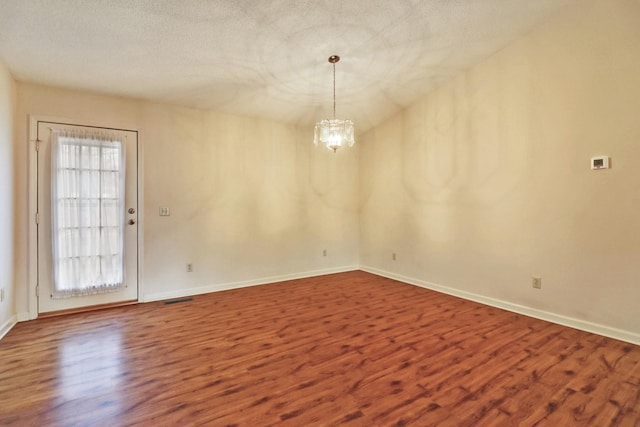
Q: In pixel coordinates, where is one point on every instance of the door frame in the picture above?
(33, 203)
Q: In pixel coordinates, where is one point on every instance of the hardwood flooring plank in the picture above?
(350, 349)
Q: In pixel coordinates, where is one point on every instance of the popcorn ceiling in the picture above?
(261, 58)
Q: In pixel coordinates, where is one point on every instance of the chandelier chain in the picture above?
(334, 90)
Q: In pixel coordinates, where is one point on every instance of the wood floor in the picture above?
(347, 349)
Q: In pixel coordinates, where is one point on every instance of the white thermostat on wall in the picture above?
(600, 162)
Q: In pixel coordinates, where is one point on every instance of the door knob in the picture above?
(132, 221)
(132, 210)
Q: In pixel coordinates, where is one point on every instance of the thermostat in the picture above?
(601, 162)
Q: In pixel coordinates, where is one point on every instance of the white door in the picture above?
(75, 270)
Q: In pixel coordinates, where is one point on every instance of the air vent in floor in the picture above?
(177, 301)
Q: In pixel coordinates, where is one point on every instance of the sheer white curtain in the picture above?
(87, 204)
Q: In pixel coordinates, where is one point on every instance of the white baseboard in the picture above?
(6, 327)
(179, 293)
(582, 325)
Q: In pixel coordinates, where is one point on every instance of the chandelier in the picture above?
(334, 133)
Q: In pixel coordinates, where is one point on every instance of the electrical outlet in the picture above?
(536, 282)
(189, 268)
(324, 252)
(393, 256)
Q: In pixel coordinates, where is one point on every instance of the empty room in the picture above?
(320, 212)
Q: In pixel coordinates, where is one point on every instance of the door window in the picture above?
(87, 212)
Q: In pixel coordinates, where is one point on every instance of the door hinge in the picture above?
(37, 145)
(38, 291)
(37, 217)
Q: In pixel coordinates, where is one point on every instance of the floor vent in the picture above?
(177, 301)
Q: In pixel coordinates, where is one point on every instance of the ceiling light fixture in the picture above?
(334, 133)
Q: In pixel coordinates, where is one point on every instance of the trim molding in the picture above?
(32, 245)
(559, 319)
(6, 327)
(179, 293)
(595, 328)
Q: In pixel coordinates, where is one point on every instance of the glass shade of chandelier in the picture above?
(334, 133)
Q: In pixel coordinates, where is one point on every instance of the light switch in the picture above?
(164, 212)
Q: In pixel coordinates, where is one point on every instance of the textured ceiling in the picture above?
(257, 57)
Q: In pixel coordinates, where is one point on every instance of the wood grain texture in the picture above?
(346, 349)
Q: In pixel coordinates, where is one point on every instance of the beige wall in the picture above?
(251, 200)
(486, 181)
(7, 192)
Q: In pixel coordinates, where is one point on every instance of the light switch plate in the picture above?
(164, 212)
